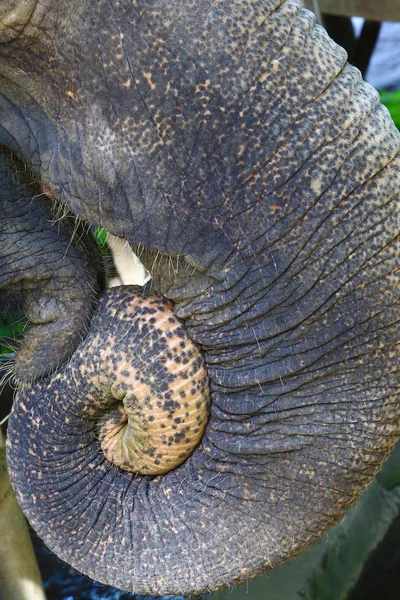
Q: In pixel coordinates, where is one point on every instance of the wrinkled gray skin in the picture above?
(231, 140)
(52, 269)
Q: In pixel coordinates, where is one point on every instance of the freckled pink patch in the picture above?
(45, 190)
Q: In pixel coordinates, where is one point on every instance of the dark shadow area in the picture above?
(62, 582)
(380, 575)
(359, 49)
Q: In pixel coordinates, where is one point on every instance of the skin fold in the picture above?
(44, 265)
(258, 176)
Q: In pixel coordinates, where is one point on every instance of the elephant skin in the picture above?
(54, 270)
(259, 176)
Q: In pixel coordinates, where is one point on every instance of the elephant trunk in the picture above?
(262, 176)
(53, 268)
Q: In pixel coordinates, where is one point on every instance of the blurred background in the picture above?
(360, 557)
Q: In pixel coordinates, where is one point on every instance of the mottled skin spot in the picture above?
(149, 366)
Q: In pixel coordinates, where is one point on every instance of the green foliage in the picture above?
(11, 328)
(392, 102)
(100, 235)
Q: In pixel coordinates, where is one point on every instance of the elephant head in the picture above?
(259, 175)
